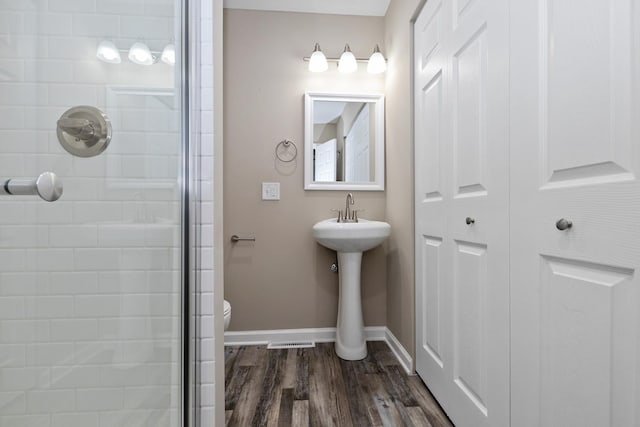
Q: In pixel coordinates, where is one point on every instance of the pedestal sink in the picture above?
(350, 239)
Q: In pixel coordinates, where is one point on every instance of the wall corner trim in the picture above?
(399, 351)
(372, 333)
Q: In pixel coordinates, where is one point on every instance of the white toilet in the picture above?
(227, 314)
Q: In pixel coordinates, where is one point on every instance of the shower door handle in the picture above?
(47, 185)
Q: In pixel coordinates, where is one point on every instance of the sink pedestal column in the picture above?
(350, 340)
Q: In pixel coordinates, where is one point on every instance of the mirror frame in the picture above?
(378, 100)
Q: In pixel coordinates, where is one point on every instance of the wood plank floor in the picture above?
(313, 387)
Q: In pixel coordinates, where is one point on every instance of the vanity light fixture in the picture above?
(140, 54)
(108, 52)
(169, 54)
(347, 62)
(317, 61)
(377, 64)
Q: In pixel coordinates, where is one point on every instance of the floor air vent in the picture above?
(301, 344)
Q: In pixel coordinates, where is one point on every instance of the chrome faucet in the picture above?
(348, 215)
(347, 209)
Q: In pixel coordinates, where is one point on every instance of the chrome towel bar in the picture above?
(236, 238)
(47, 185)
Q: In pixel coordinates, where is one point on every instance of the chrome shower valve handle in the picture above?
(84, 131)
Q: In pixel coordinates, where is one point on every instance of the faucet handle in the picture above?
(355, 214)
(339, 214)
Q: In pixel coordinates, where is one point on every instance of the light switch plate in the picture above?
(270, 191)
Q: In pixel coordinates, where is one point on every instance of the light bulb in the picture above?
(377, 64)
(140, 54)
(169, 54)
(347, 62)
(318, 62)
(108, 52)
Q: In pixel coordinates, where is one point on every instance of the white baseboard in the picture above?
(280, 335)
(372, 333)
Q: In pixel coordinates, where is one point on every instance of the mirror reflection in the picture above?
(343, 138)
(344, 142)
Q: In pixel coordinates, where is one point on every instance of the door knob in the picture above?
(470, 221)
(563, 224)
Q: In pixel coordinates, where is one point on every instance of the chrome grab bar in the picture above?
(236, 238)
(47, 185)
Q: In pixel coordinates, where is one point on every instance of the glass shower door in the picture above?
(90, 284)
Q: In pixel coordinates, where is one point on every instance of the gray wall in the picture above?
(283, 279)
(399, 157)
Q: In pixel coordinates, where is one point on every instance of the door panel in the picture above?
(572, 153)
(574, 293)
(470, 322)
(460, 7)
(431, 151)
(578, 302)
(325, 161)
(587, 119)
(469, 86)
(461, 152)
(432, 298)
(428, 31)
(356, 148)
(429, 154)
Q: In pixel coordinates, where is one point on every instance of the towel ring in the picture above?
(286, 151)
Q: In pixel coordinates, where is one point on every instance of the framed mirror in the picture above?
(344, 142)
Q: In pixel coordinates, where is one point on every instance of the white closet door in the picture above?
(325, 161)
(356, 149)
(461, 155)
(575, 294)
(432, 197)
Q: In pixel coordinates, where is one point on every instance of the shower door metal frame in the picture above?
(188, 327)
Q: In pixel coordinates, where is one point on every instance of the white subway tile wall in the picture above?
(90, 285)
(205, 215)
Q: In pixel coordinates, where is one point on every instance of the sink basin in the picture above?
(351, 236)
(350, 239)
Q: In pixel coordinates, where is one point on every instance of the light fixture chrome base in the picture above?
(84, 131)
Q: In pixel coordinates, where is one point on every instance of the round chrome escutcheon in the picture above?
(84, 131)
